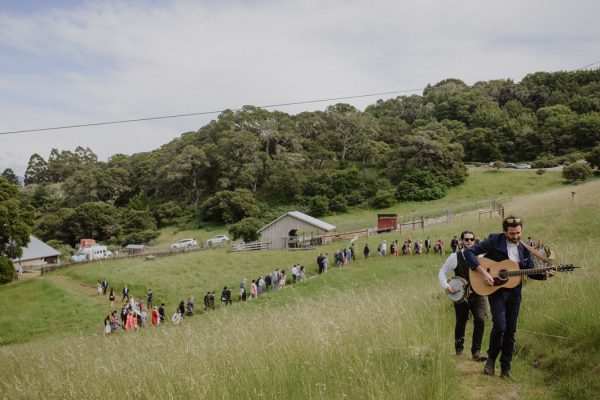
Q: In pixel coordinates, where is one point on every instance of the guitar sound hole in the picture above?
(503, 274)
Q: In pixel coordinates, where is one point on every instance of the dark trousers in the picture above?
(475, 304)
(504, 305)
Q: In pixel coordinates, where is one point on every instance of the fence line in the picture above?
(241, 246)
(149, 253)
(331, 237)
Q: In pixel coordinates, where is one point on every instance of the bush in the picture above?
(246, 229)
(540, 172)
(229, 206)
(545, 162)
(593, 158)
(383, 199)
(65, 250)
(317, 206)
(421, 185)
(577, 172)
(140, 237)
(7, 270)
(338, 203)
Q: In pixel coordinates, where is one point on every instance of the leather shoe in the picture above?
(489, 367)
(506, 374)
(459, 352)
(478, 357)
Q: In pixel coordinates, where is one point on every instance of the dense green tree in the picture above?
(593, 158)
(584, 131)
(94, 220)
(229, 206)
(57, 225)
(167, 213)
(317, 205)
(37, 170)
(16, 220)
(41, 197)
(10, 176)
(7, 271)
(246, 229)
(425, 162)
(442, 90)
(383, 198)
(349, 129)
(577, 172)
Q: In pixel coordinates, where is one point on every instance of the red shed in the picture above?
(387, 222)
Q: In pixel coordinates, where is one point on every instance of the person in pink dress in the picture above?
(253, 290)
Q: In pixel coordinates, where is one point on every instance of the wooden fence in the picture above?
(330, 237)
(148, 253)
(241, 246)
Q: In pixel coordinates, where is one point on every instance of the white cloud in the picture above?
(120, 60)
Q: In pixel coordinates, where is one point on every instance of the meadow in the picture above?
(377, 328)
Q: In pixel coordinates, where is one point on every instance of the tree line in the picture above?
(246, 167)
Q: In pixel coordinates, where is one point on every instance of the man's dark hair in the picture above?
(511, 222)
(462, 235)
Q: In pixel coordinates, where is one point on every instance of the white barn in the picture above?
(293, 230)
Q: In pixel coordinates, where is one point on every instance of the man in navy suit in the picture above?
(504, 303)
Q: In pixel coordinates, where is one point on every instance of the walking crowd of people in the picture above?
(134, 315)
(137, 314)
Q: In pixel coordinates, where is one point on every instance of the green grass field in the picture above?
(378, 328)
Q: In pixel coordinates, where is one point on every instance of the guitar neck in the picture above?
(531, 271)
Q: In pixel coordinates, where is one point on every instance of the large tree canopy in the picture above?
(250, 162)
(15, 221)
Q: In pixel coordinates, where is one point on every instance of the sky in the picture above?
(71, 62)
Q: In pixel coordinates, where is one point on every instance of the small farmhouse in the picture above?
(37, 253)
(294, 230)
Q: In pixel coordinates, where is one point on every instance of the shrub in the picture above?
(593, 158)
(229, 206)
(545, 162)
(7, 271)
(383, 199)
(577, 172)
(540, 172)
(246, 229)
(317, 206)
(140, 237)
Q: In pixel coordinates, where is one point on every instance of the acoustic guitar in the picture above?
(506, 274)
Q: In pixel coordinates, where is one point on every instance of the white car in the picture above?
(184, 243)
(217, 240)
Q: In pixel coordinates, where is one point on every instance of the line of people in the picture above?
(134, 315)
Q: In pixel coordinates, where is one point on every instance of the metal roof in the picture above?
(135, 246)
(36, 249)
(305, 218)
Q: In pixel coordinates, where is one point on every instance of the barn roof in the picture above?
(304, 218)
(36, 249)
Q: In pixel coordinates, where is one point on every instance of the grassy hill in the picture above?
(378, 328)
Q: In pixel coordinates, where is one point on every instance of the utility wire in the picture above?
(208, 112)
(294, 103)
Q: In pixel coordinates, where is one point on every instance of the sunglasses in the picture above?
(513, 220)
(469, 239)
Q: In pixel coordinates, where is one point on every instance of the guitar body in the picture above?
(499, 271)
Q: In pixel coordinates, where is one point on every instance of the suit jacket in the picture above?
(495, 248)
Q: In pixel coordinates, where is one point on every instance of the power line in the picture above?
(124, 121)
(294, 103)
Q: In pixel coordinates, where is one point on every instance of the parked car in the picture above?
(217, 240)
(184, 243)
(510, 165)
(523, 166)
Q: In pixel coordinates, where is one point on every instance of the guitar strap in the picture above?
(536, 253)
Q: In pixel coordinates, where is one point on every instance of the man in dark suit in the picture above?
(504, 303)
